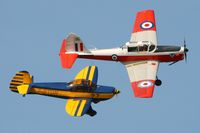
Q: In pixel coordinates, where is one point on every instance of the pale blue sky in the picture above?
(31, 33)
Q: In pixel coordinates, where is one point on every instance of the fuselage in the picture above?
(67, 90)
(128, 53)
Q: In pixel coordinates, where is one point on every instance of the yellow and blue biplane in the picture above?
(80, 92)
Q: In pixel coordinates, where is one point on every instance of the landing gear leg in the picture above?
(91, 112)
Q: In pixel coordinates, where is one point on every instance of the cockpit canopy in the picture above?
(82, 85)
(142, 46)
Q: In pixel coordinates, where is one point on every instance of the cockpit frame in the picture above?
(142, 47)
(82, 85)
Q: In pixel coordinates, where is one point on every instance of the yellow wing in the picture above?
(78, 107)
(88, 73)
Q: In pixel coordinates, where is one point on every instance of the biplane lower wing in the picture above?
(142, 76)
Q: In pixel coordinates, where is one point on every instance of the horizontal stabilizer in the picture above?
(23, 89)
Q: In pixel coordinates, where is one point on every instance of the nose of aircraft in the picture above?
(117, 91)
(185, 50)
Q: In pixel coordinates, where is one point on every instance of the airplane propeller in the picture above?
(185, 53)
(117, 92)
(185, 50)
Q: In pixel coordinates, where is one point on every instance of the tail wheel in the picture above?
(158, 82)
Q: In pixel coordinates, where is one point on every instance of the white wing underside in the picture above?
(142, 76)
(142, 70)
(144, 36)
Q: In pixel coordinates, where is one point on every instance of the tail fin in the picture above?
(20, 82)
(70, 49)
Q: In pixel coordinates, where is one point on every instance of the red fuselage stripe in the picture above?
(121, 58)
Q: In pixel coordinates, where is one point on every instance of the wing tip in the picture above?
(143, 88)
(88, 73)
(147, 10)
(145, 21)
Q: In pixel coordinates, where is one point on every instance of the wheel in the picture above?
(158, 82)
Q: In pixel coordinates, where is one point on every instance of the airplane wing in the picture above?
(78, 107)
(88, 73)
(142, 76)
(145, 27)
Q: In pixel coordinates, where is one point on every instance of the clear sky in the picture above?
(31, 33)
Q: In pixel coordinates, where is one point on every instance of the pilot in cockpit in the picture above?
(81, 85)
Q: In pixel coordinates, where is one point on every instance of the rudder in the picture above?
(21, 80)
(70, 49)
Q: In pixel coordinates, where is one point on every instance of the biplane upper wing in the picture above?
(88, 73)
(144, 27)
(142, 76)
(78, 107)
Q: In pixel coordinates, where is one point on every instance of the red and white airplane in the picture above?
(141, 55)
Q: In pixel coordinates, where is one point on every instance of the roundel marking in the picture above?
(145, 84)
(114, 57)
(172, 55)
(146, 25)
